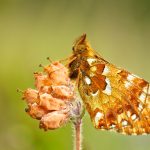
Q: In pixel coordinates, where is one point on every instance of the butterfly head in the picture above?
(81, 45)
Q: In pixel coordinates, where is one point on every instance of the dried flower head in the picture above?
(54, 101)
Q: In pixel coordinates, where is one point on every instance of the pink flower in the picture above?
(52, 101)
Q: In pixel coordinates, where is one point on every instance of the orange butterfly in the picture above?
(115, 99)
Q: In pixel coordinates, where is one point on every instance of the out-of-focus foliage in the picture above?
(31, 30)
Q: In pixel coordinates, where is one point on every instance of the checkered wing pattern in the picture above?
(115, 99)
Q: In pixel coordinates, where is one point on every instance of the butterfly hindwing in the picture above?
(115, 99)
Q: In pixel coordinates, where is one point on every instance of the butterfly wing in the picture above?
(115, 99)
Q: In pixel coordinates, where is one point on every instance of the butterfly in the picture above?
(115, 99)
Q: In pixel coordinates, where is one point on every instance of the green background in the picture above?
(31, 30)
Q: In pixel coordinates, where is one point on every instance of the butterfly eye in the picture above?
(81, 49)
(78, 50)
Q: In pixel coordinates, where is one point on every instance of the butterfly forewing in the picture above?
(115, 99)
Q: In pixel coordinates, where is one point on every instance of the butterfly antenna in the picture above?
(40, 65)
(49, 60)
(66, 59)
(20, 91)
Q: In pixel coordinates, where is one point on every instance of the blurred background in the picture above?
(31, 30)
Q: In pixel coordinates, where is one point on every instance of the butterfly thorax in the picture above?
(82, 51)
(77, 65)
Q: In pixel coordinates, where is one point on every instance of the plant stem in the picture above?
(78, 140)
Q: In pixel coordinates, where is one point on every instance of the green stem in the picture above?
(78, 140)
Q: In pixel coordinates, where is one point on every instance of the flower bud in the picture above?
(53, 120)
(36, 111)
(41, 80)
(30, 95)
(57, 73)
(63, 92)
(50, 103)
